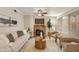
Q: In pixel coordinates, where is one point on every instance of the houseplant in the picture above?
(49, 25)
(28, 30)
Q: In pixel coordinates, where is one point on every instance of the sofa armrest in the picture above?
(11, 45)
(70, 47)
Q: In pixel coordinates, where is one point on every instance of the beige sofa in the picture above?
(69, 44)
(6, 46)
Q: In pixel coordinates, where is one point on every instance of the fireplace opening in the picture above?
(39, 32)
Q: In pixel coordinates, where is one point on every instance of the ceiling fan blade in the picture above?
(44, 13)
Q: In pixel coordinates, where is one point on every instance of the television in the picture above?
(39, 21)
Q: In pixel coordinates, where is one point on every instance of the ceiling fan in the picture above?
(41, 12)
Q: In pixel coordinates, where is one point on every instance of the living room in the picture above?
(39, 29)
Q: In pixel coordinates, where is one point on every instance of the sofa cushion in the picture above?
(14, 35)
(10, 37)
(73, 43)
(20, 33)
(3, 40)
(18, 44)
(5, 49)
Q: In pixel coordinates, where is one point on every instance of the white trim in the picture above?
(19, 11)
(69, 11)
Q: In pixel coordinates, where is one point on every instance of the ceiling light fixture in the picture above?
(39, 12)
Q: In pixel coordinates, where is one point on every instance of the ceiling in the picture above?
(52, 11)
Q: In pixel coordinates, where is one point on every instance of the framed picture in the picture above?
(7, 21)
(39, 21)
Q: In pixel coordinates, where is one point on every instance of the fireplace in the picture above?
(39, 30)
(39, 27)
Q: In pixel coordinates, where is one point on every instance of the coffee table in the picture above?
(40, 43)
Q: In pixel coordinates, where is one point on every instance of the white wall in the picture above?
(65, 25)
(29, 22)
(53, 22)
(59, 25)
(9, 12)
(26, 21)
(77, 25)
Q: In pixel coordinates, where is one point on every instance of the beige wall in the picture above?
(9, 12)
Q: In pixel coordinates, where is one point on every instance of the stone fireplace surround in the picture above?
(39, 28)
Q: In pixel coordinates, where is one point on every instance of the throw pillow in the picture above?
(73, 42)
(25, 32)
(20, 33)
(10, 37)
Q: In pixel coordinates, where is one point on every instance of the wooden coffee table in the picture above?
(40, 43)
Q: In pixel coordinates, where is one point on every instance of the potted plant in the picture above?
(28, 30)
(49, 25)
